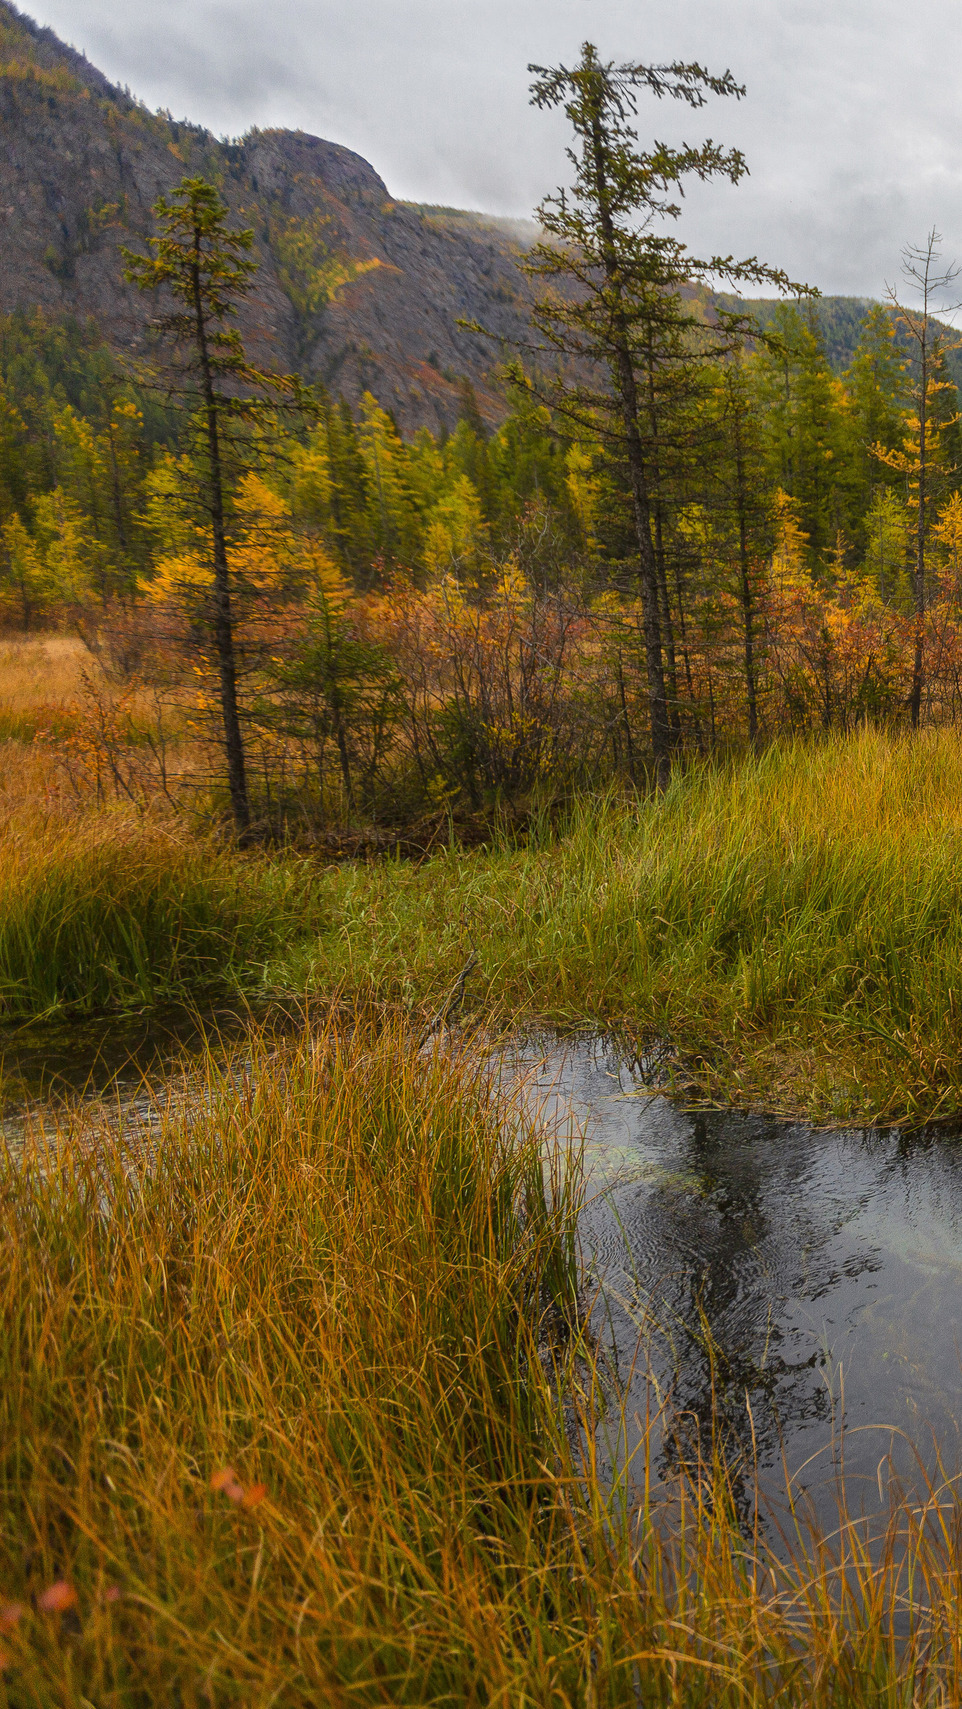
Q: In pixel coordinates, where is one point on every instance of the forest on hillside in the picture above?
(692, 527)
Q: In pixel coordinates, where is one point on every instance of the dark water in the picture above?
(803, 1288)
(110, 1073)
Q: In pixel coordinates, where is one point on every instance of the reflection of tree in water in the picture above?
(734, 1241)
(720, 1257)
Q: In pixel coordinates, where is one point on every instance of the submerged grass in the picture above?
(791, 922)
(274, 1429)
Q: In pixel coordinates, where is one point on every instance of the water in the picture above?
(786, 1282)
(783, 1282)
(95, 1077)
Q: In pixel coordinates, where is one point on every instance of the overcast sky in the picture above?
(852, 123)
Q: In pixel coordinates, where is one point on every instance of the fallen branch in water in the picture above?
(452, 1002)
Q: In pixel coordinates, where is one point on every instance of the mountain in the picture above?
(839, 321)
(354, 288)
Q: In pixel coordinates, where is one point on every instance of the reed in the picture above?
(323, 1292)
(791, 922)
(280, 1424)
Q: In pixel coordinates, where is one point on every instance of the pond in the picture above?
(802, 1288)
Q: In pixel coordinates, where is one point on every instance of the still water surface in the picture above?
(801, 1279)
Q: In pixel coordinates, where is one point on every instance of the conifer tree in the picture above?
(615, 279)
(920, 270)
(745, 512)
(207, 270)
(806, 427)
(876, 383)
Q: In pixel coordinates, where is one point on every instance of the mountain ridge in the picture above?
(355, 288)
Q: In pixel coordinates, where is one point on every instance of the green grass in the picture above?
(102, 913)
(791, 923)
(275, 1430)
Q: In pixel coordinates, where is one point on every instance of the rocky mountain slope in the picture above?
(354, 288)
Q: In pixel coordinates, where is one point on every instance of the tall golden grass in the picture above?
(287, 1416)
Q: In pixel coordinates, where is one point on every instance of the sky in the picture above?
(850, 124)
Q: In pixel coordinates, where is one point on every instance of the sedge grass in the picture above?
(274, 1429)
(791, 922)
(100, 913)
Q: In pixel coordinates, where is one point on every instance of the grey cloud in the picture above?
(850, 125)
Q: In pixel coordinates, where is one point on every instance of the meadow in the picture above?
(787, 922)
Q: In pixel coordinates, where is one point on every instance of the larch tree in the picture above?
(743, 507)
(205, 270)
(929, 282)
(617, 293)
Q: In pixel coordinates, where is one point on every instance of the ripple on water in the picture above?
(786, 1277)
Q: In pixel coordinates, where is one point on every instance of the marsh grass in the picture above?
(330, 1284)
(101, 913)
(790, 922)
(286, 1418)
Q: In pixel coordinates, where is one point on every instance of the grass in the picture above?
(331, 1284)
(275, 1428)
(791, 923)
(104, 910)
(106, 913)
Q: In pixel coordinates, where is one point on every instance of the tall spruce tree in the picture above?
(207, 270)
(618, 291)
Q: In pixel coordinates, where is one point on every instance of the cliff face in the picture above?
(353, 288)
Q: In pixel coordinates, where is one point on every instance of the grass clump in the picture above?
(791, 922)
(101, 913)
(326, 1289)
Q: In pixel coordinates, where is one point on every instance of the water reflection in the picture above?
(784, 1280)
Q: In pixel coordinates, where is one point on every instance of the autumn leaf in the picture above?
(226, 1482)
(57, 1598)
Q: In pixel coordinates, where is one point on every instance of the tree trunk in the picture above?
(918, 579)
(223, 624)
(667, 630)
(626, 387)
(747, 597)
